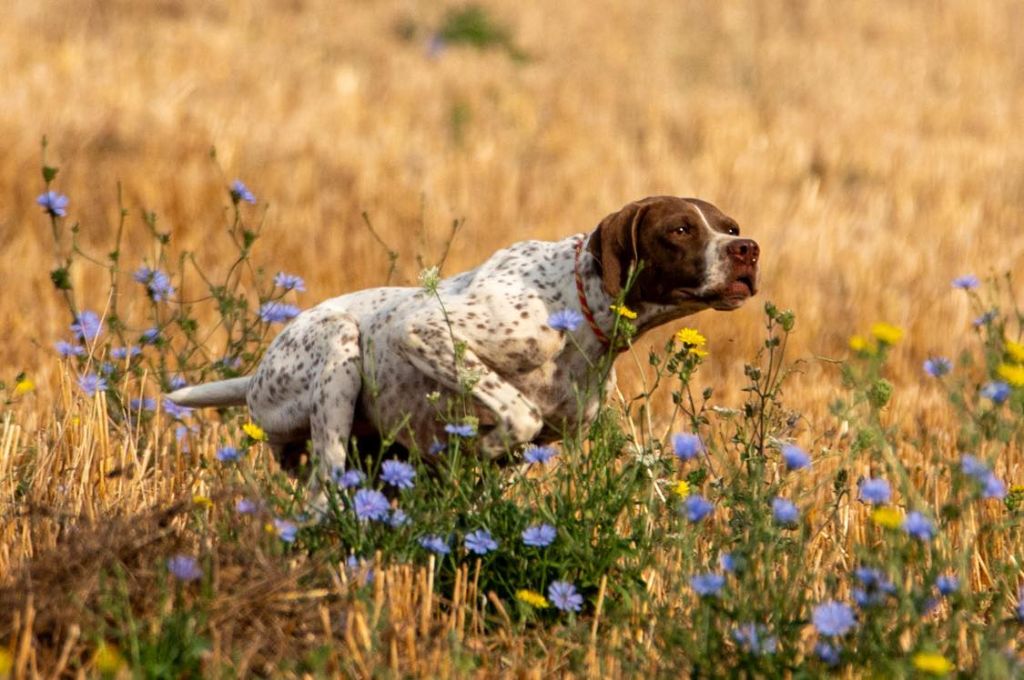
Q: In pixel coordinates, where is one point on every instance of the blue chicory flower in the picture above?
(90, 383)
(398, 474)
(538, 454)
(539, 535)
(175, 411)
(785, 512)
(829, 653)
(463, 430)
(66, 349)
(289, 282)
(697, 507)
(480, 542)
(833, 618)
(876, 587)
(435, 544)
(229, 363)
(142, 404)
(277, 312)
(565, 320)
(875, 491)
(707, 585)
(240, 192)
(752, 639)
(971, 466)
(398, 518)
(157, 282)
(918, 526)
(564, 596)
(371, 504)
(349, 479)
(985, 319)
(937, 367)
(686, 445)
(244, 506)
(993, 487)
(184, 568)
(122, 353)
(996, 391)
(87, 326)
(227, 454)
(286, 530)
(53, 203)
(966, 282)
(795, 457)
(947, 584)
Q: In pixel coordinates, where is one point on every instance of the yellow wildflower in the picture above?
(889, 518)
(1017, 488)
(886, 333)
(697, 352)
(1015, 350)
(690, 337)
(931, 663)
(254, 431)
(681, 488)
(107, 659)
(6, 663)
(532, 598)
(623, 311)
(24, 386)
(1011, 374)
(270, 528)
(859, 344)
(202, 501)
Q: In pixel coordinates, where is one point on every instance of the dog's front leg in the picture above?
(430, 346)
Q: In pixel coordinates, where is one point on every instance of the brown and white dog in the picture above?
(365, 362)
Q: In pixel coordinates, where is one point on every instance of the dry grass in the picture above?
(871, 148)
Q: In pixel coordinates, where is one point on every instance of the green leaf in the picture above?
(248, 238)
(61, 278)
(49, 173)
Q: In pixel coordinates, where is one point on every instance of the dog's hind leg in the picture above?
(335, 393)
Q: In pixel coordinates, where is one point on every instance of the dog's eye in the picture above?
(681, 229)
(734, 231)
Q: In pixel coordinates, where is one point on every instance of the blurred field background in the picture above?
(873, 149)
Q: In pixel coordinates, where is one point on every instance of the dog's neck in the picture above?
(593, 298)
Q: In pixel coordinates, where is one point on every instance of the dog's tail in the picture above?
(221, 393)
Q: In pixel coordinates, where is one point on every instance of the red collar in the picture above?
(584, 307)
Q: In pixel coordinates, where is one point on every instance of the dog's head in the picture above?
(692, 254)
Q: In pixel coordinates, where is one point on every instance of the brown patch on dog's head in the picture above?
(690, 250)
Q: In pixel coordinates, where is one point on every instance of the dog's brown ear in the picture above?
(613, 244)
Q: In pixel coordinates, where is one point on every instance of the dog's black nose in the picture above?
(744, 251)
